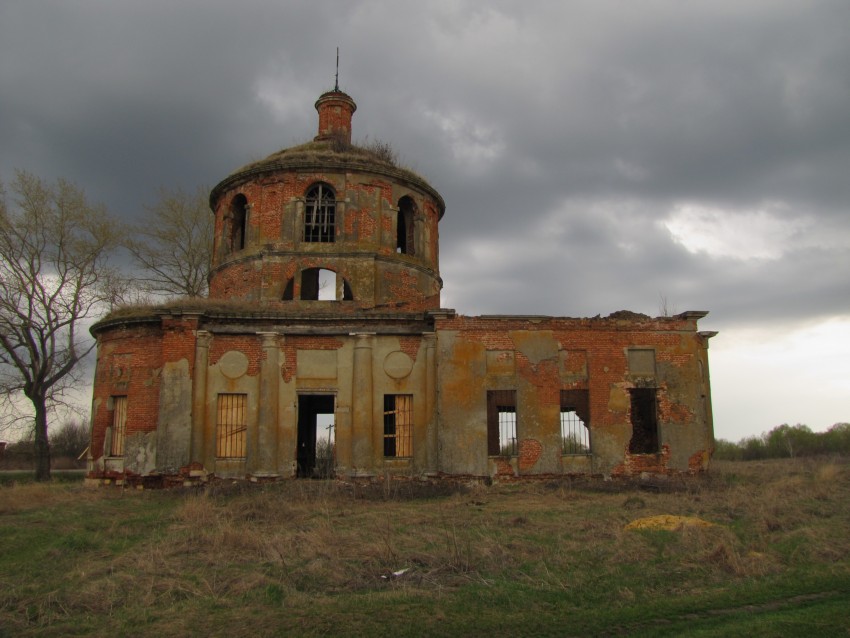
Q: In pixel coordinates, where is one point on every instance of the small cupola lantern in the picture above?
(335, 110)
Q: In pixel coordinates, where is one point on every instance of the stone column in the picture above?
(199, 400)
(265, 457)
(431, 461)
(419, 244)
(361, 406)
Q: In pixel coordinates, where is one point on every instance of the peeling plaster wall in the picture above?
(535, 357)
(140, 453)
(175, 418)
(539, 357)
(129, 363)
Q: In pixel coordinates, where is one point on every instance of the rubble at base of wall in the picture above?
(390, 485)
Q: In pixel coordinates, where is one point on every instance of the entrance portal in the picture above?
(315, 435)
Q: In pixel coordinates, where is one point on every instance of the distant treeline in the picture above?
(66, 446)
(786, 441)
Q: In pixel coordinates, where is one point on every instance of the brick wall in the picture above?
(129, 362)
(603, 342)
(366, 228)
(249, 345)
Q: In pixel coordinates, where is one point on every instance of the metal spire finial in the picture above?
(336, 80)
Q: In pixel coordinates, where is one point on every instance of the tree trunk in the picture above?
(42, 445)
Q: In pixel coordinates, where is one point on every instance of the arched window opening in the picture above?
(320, 214)
(289, 291)
(238, 221)
(347, 295)
(318, 284)
(327, 285)
(405, 243)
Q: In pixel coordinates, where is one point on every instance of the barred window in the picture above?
(320, 214)
(501, 423)
(398, 425)
(119, 425)
(575, 422)
(231, 426)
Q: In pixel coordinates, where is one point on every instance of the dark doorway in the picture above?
(315, 452)
(644, 423)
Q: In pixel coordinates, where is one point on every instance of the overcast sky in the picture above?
(594, 156)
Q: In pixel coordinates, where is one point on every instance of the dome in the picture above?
(328, 211)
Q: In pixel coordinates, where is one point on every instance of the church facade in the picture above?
(323, 350)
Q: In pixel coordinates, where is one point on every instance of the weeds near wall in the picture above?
(314, 556)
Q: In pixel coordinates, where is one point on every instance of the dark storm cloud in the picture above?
(563, 136)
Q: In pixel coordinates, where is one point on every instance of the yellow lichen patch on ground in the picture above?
(667, 522)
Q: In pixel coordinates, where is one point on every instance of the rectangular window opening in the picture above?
(501, 423)
(398, 425)
(119, 425)
(575, 422)
(231, 426)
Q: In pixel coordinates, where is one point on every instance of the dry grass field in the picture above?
(319, 558)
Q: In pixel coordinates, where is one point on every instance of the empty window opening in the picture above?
(644, 421)
(327, 285)
(501, 423)
(231, 426)
(347, 295)
(316, 436)
(320, 214)
(318, 284)
(575, 422)
(398, 425)
(405, 243)
(119, 425)
(238, 221)
(289, 290)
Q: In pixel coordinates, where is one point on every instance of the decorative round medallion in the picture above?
(398, 365)
(233, 364)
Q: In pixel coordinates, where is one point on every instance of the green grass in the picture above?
(20, 477)
(315, 558)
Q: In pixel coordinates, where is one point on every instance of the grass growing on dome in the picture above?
(182, 305)
(367, 154)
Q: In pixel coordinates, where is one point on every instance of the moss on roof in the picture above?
(182, 305)
(327, 151)
(374, 157)
(245, 309)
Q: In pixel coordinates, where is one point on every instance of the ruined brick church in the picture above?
(324, 324)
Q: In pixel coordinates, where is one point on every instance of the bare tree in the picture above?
(173, 244)
(54, 279)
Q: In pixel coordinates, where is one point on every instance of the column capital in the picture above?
(364, 339)
(269, 338)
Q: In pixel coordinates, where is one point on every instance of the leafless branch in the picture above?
(173, 244)
(54, 276)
